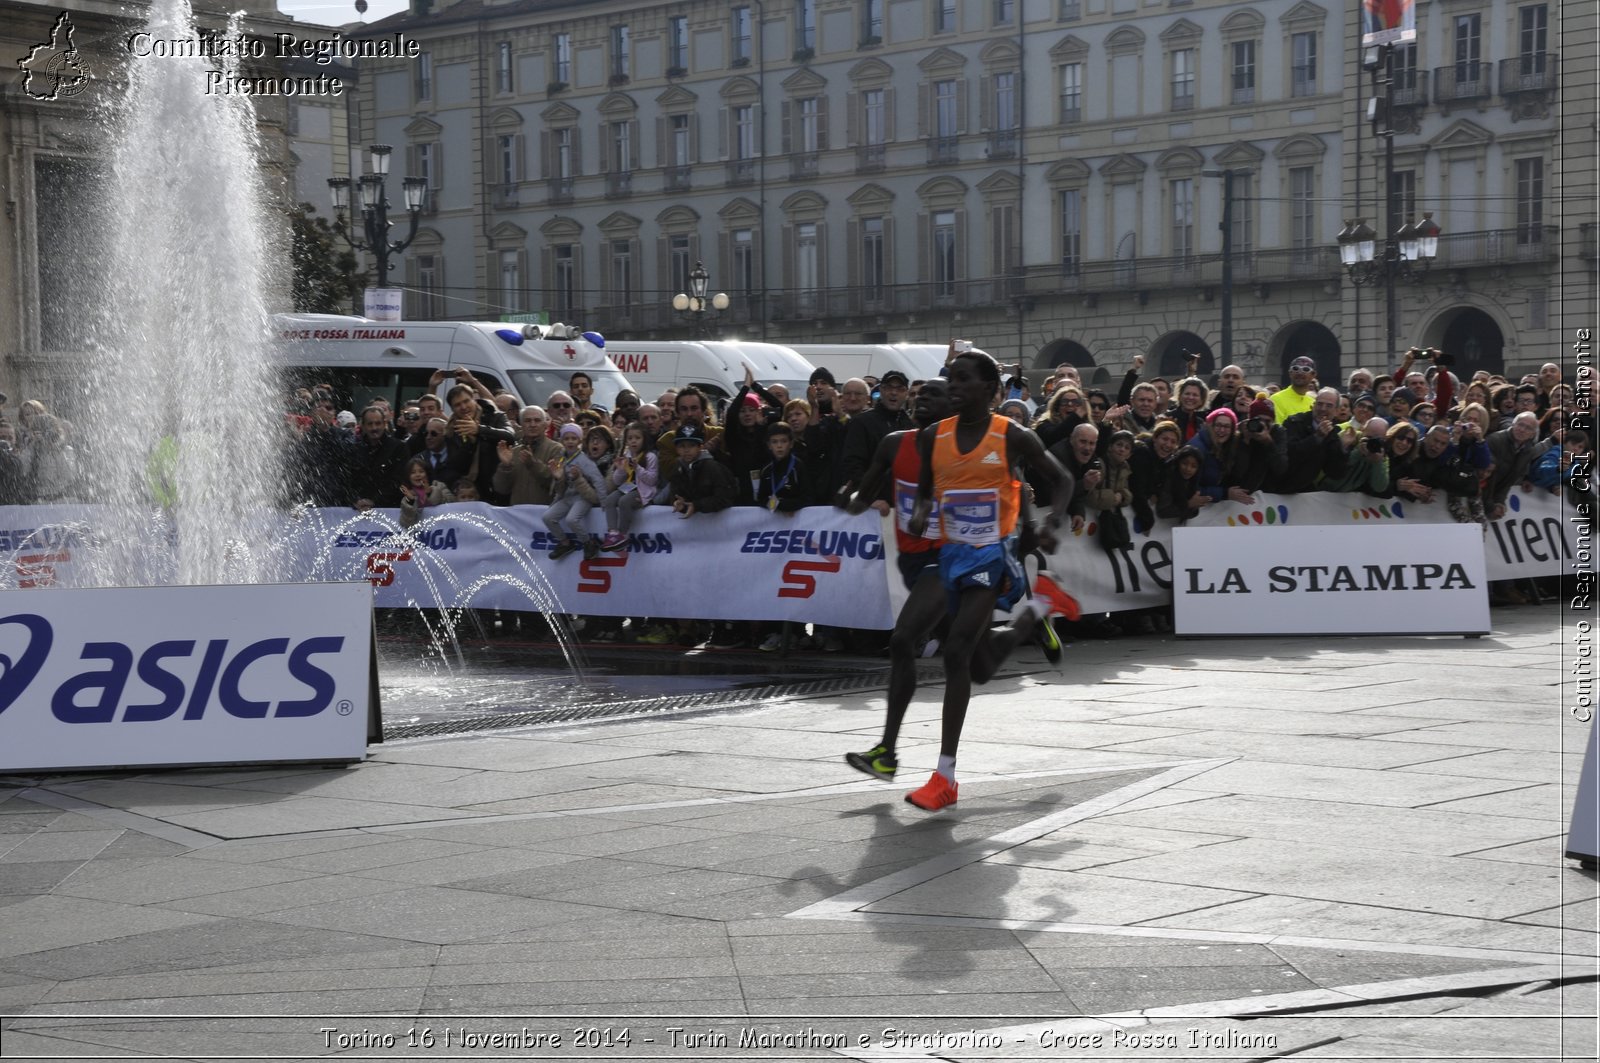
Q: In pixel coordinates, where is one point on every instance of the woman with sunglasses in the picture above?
(1066, 410)
(1402, 443)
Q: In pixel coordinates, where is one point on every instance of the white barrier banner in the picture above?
(184, 675)
(820, 565)
(1392, 579)
(1536, 537)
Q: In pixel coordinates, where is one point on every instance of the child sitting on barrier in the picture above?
(418, 494)
(634, 475)
(577, 484)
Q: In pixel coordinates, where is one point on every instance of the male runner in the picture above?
(966, 465)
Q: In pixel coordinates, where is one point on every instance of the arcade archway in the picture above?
(1307, 338)
(1473, 339)
(1171, 352)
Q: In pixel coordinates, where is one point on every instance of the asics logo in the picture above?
(16, 675)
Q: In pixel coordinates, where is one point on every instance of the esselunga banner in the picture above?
(1538, 536)
(819, 565)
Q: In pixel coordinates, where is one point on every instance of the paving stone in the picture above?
(212, 983)
(1319, 783)
(321, 1002)
(573, 877)
(631, 991)
(954, 975)
(246, 903)
(39, 876)
(433, 914)
(148, 797)
(1514, 764)
(1397, 750)
(1548, 803)
(54, 922)
(510, 753)
(153, 881)
(1067, 951)
(296, 815)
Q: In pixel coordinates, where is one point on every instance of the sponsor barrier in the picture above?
(1583, 830)
(1392, 579)
(184, 675)
(820, 565)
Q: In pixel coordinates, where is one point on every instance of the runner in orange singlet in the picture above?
(967, 464)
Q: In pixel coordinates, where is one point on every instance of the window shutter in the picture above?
(852, 253)
(724, 132)
(888, 115)
(822, 260)
(985, 104)
(546, 161)
(822, 123)
(961, 255)
(888, 249)
(577, 152)
(524, 279)
(998, 220)
(962, 106)
(852, 119)
(664, 278)
(547, 274)
(635, 159)
(788, 259)
(413, 298)
(606, 133)
(785, 110)
(491, 278)
(694, 137)
(924, 109)
(413, 159)
(663, 142)
(725, 258)
(924, 265)
(438, 166)
(520, 165)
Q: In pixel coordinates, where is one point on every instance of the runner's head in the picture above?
(974, 381)
(933, 402)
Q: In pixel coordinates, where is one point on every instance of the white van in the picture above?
(918, 361)
(716, 367)
(363, 359)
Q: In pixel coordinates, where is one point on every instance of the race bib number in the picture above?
(971, 517)
(905, 499)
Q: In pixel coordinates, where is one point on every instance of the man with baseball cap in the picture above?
(1301, 393)
(866, 430)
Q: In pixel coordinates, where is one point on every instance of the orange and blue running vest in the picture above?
(907, 468)
(977, 496)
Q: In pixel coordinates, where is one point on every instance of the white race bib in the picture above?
(971, 516)
(905, 500)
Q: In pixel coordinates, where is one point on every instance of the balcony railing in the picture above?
(1462, 81)
(1184, 102)
(1495, 247)
(1004, 144)
(430, 202)
(1410, 90)
(802, 165)
(869, 158)
(1534, 72)
(944, 149)
(504, 197)
(560, 190)
(619, 184)
(1244, 94)
(675, 179)
(741, 172)
(1071, 113)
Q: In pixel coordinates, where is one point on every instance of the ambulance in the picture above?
(362, 359)
(716, 367)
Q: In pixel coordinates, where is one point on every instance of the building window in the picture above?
(1244, 71)
(678, 43)
(1183, 219)
(1302, 208)
(619, 140)
(1071, 200)
(678, 261)
(1243, 229)
(944, 16)
(1532, 38)
(566, 279)
(620, 63)
(510, 281)
(871, 21)
(428, 287)
(874, 117)
(1005, 101)
(805, 25)
(1402, 200)
(1468, 48)
(622, 279)
(1071, 10)
(873, 276)
(679, 151)
(424, 69)
(1183, 79)
(503, 82)
(740, 31)
(1004, 12)
(810, 125)
(1072, 93)
(744, 132)
(1403, 68)
(561, 59)
(427, 168)
(506, 153)
(1303, 72)
(744, 261)
(1530, 201)
(562, 140)
(944, 255)
(944, 108)
(805, 267)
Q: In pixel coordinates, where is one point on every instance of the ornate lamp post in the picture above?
(695, 302)
(375, 223)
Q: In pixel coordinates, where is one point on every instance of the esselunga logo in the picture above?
(111, 682)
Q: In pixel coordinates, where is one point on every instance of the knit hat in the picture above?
(1405, 395)
(751, 399)
(1222, 411)
(1367, 397)
(1263, 408)
(571, 429)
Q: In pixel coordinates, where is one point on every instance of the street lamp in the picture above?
(1410, 247)
(374, 202)
(695, 302)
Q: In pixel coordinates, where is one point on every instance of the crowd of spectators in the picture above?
(1156, 448)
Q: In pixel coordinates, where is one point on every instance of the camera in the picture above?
(1256, 424)
(1374, 446)
(963, 346)
(1442, 359)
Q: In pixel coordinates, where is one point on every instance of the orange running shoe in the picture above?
(1052, 594)
(934, 794)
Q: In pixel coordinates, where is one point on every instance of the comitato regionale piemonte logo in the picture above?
(54, 70)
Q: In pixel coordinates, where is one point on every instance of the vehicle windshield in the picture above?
(535, 385)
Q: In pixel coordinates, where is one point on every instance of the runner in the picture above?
(965, 468)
